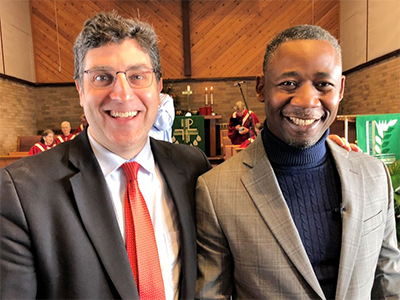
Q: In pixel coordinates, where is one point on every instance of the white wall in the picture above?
(17, 40)
(384, 27)
(368, 29)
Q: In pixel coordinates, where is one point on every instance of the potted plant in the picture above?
(394, 170)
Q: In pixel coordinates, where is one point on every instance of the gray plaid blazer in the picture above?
(249, 247)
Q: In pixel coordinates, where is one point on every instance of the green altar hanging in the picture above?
(189, 130)
(379, 136)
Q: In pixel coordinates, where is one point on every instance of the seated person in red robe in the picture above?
(46, 143)
(66, 133)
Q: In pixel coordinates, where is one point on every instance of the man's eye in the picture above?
(137, 77)
(288, 85)
(324, 85)
(103, 77)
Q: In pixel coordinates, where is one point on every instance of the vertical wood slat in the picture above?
(187, 63)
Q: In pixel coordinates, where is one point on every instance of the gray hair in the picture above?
(299, 32)
(105, 28)
(239, 106)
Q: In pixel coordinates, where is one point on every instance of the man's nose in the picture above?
(122, 90)
(306, 96)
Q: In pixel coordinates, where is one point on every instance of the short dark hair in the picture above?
(105, 28)
(299, 32)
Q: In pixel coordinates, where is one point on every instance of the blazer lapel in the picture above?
(181, 194)
(352, 191)
(98, 217)
(263, 188)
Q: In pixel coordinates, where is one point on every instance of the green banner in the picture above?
(189, 131)
(379, 136)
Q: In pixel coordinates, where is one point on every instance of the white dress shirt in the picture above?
(160, 205)
(162, 127)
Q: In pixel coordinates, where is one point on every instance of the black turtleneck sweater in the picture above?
(311, 187)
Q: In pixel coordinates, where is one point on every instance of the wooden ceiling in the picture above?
(228, 37)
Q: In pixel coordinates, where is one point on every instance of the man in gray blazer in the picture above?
(294, 216)
(62, 220)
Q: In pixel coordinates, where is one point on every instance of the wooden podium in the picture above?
(210, 128)
(345, 126)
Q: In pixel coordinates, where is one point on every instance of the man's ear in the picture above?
(160, 85)
(342, 83)
(80, 92)
(260, 84)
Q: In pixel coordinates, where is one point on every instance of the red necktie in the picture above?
(140, 240)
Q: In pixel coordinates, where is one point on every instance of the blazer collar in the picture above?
(352, 183)
(263, 187)
(175, 175)
(95, 208)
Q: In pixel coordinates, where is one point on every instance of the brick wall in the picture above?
(18, 113)
(57, 104)
(373, 90)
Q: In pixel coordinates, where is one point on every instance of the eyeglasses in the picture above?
(105, 78)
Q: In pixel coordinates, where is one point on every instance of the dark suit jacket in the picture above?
(59, 234)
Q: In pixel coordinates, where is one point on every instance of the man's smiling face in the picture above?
(302, 88)
(119, 117)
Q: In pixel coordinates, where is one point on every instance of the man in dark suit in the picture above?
(62, 212)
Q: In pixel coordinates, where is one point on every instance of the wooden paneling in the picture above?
(228, 37)
(51, 67)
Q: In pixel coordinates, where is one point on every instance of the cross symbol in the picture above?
(188, 92)
(186, 132)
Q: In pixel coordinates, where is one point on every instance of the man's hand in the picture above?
(244, 130)
(342, 142)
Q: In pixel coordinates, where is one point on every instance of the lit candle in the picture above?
(211, 96)
(188, 87)
(206, 93)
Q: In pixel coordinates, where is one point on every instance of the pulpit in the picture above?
(198, 131)
(212, 137)
(378, 135)
(189, 130)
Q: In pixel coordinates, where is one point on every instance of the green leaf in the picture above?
(394, 170)
(398, 230)
(390, 129)
(387, 136)
(395, 181)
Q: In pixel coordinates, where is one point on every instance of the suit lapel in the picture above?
(263, 188)
(352, 191)
(181, 194)
(98, 217)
